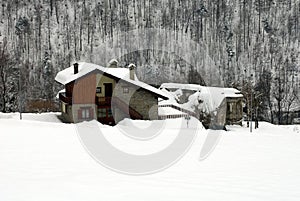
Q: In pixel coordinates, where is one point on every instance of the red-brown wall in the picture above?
(84, 90)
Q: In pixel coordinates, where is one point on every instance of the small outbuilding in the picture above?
(214, 106)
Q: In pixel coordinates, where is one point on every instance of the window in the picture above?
(125, 90)
(85, 113)
(63, 108)
(98, 90)
(101, 112)
(109, 112)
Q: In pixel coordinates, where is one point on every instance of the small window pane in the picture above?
(109, 112)
(125, 90)
(101, 112)
(87, 113)
(98, 90)
(63, 108)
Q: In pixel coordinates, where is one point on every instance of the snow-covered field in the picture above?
(42, 159)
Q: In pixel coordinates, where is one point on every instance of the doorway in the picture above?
(108, 89)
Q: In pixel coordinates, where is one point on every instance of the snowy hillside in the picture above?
(42, 159)
(252, 45)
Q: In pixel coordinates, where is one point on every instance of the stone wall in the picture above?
(142, 101)
(145, 103)
(119, 115)
(66, 116)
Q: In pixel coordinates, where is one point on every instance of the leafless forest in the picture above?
(252, 45)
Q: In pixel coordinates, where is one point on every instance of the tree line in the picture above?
(252, 45)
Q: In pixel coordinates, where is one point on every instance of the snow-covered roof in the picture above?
(61, 91)
(226, 92)
(211, 96)
(113, 61)
(67, 75)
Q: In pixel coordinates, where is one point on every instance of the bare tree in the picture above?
(8, 80)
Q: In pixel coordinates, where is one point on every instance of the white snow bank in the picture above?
(193, 102)
(167, 124)
(172, 98)
(42, 117)
(46, 162)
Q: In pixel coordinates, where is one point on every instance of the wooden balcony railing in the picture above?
(193, 114)
(64, 98)
(103, 101)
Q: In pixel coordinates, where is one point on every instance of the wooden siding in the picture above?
(84, 90)
(69, 89)
(234, 112)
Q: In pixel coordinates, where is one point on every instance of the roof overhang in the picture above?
(88, 69)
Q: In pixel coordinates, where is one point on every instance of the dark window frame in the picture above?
(99, 90)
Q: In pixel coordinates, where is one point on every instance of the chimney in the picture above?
(131, 71)
(75, 68)
(113, 63)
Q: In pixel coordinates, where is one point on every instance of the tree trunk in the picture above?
(3, 89)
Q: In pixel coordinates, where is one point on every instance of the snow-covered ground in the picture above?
(42, 159)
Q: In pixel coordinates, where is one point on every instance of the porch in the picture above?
(104, 110)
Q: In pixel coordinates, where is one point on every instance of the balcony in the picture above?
(64, 98)
(103, 101)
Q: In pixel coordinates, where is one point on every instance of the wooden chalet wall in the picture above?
(69, 89)
(84, 90)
